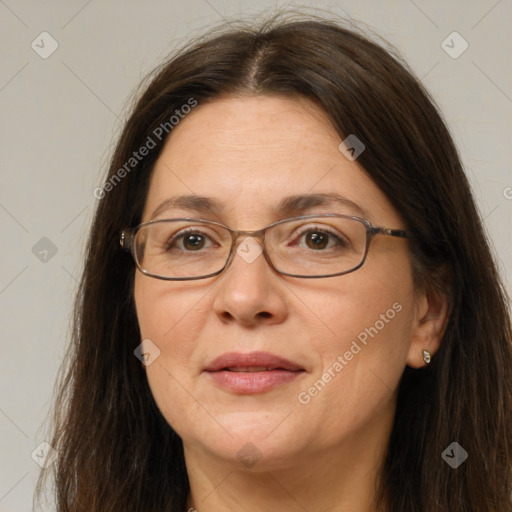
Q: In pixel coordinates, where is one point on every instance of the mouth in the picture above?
(250, 369)
(251, 362)
(251, 373)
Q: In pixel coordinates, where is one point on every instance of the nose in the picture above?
(250, 292)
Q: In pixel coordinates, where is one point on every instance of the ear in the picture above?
(429, 324)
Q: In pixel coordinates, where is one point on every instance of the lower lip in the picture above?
(247, 383)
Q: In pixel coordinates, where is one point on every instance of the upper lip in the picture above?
(251, 359)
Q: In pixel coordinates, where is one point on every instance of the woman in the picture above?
(306, 314)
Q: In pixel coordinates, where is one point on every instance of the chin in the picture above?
(251, 440)
(256, 455)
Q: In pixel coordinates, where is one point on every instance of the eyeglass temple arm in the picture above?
(126, 239)
(401, 233)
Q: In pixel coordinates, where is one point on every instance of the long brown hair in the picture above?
(117, 452)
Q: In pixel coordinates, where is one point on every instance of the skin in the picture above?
(250, 152)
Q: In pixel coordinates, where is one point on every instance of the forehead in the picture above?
(251, 152)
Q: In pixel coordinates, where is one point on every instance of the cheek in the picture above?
(172, 316)
(364, 347)
(372, 306)
(355, 391)
(164, 309)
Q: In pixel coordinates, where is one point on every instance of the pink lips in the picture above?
(251, 373)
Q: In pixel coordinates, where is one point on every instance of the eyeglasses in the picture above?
(310, 246)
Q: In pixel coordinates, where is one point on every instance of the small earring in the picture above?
(426, 356)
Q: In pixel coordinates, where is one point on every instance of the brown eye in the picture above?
(188, 240)
(193, 241)
(317, 240)
(321, 239)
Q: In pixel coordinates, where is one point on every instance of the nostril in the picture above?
(264, 314)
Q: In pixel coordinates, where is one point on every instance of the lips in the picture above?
(256, 372)
(250, 369)
(251, 362)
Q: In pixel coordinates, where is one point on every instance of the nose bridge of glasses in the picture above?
(237, 235)
(237, 239)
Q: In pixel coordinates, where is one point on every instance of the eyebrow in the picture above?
(287, 207)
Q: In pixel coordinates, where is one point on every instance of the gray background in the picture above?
(60, 117)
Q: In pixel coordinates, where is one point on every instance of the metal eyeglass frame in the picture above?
(127, 238)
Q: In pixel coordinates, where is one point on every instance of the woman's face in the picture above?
(348, 337)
